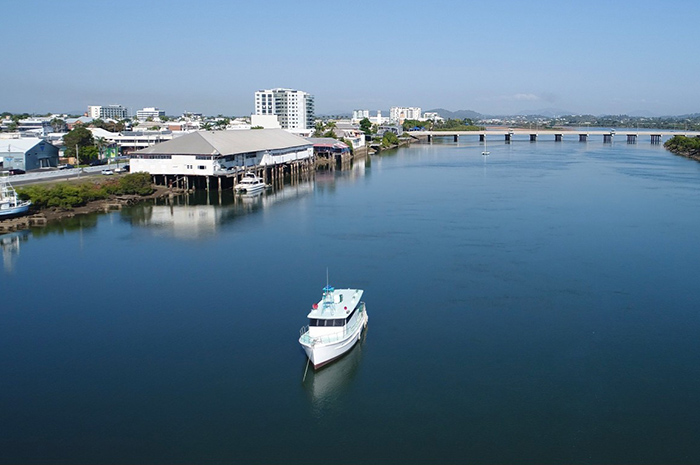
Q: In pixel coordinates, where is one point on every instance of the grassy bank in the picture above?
(67, 195)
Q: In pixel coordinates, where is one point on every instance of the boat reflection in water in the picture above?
(329, 384)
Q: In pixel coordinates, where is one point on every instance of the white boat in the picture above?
(249, 183)
(486, 152)
(335, 325)
(10, 203)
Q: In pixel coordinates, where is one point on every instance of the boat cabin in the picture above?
(337, 309)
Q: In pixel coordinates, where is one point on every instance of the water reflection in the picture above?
(10, 248)
(201, 214)
(331, 383)
(329, 180)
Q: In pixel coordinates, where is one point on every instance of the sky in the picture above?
(592, 57)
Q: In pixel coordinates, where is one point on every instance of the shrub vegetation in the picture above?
(682, 145)
(66, 195)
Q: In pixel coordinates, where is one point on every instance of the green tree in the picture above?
(318, 129)
(366, 126)
(101, 143)
(349, 144)
(389, 139)
(88, 154)
(57, 124)
(80, 137)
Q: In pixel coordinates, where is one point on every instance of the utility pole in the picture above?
(77, 159)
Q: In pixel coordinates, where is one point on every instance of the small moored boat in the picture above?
(249, 184)
(335, 325)
(10, 203)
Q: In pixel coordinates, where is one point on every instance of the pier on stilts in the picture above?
(273, 176)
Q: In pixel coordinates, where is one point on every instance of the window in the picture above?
(324, 322)
(202, 167)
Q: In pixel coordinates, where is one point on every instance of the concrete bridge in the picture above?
(631, 136)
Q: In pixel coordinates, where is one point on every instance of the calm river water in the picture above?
(540, 305)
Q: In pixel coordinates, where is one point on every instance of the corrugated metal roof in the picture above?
(18, 145)
(326, 141)
(227, 142)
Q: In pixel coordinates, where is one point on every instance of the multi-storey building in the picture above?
(109, 111)
(293, 108)
(358, 115)
(397, 115)
(151, 112)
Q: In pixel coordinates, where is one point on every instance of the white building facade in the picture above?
(359, 115)
(109, 111)
(149, 112)
(293, 108)
(397, 115)
(209, 153)
(432, 116)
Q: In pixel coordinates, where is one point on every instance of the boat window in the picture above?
(324, 322)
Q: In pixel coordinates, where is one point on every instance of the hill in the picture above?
(459, 114)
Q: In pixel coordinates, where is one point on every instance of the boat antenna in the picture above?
(327, 278)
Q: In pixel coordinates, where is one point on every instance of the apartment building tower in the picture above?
(293, 108)
(397, 115)
(108, 111)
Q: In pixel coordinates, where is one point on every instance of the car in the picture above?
(120, 169)
(65, 166)
(14, 171)
(107, 172)
(98, 162)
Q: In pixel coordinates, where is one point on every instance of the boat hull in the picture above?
(321, 353)
(249, 189)
(12, 212)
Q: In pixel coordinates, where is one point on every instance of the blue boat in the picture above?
(10, 203)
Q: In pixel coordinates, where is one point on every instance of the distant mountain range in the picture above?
(459, 114)
(471, 114)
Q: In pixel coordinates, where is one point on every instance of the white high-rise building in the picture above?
(150, 112)
(109, 111)
(293, 108)
(397, 115)
(358, 115)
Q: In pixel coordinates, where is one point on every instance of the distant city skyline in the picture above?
(211, 57)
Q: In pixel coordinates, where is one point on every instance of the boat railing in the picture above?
(334, 337)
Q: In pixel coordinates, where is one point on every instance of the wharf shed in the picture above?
(27, 153)
(224, 154)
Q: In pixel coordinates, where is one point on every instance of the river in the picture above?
(539, 305)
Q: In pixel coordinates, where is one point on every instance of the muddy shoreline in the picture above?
(43, 216)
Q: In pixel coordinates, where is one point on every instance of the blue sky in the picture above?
(600, 57)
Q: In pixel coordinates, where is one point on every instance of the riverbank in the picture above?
(42, 216)
(688, 147)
